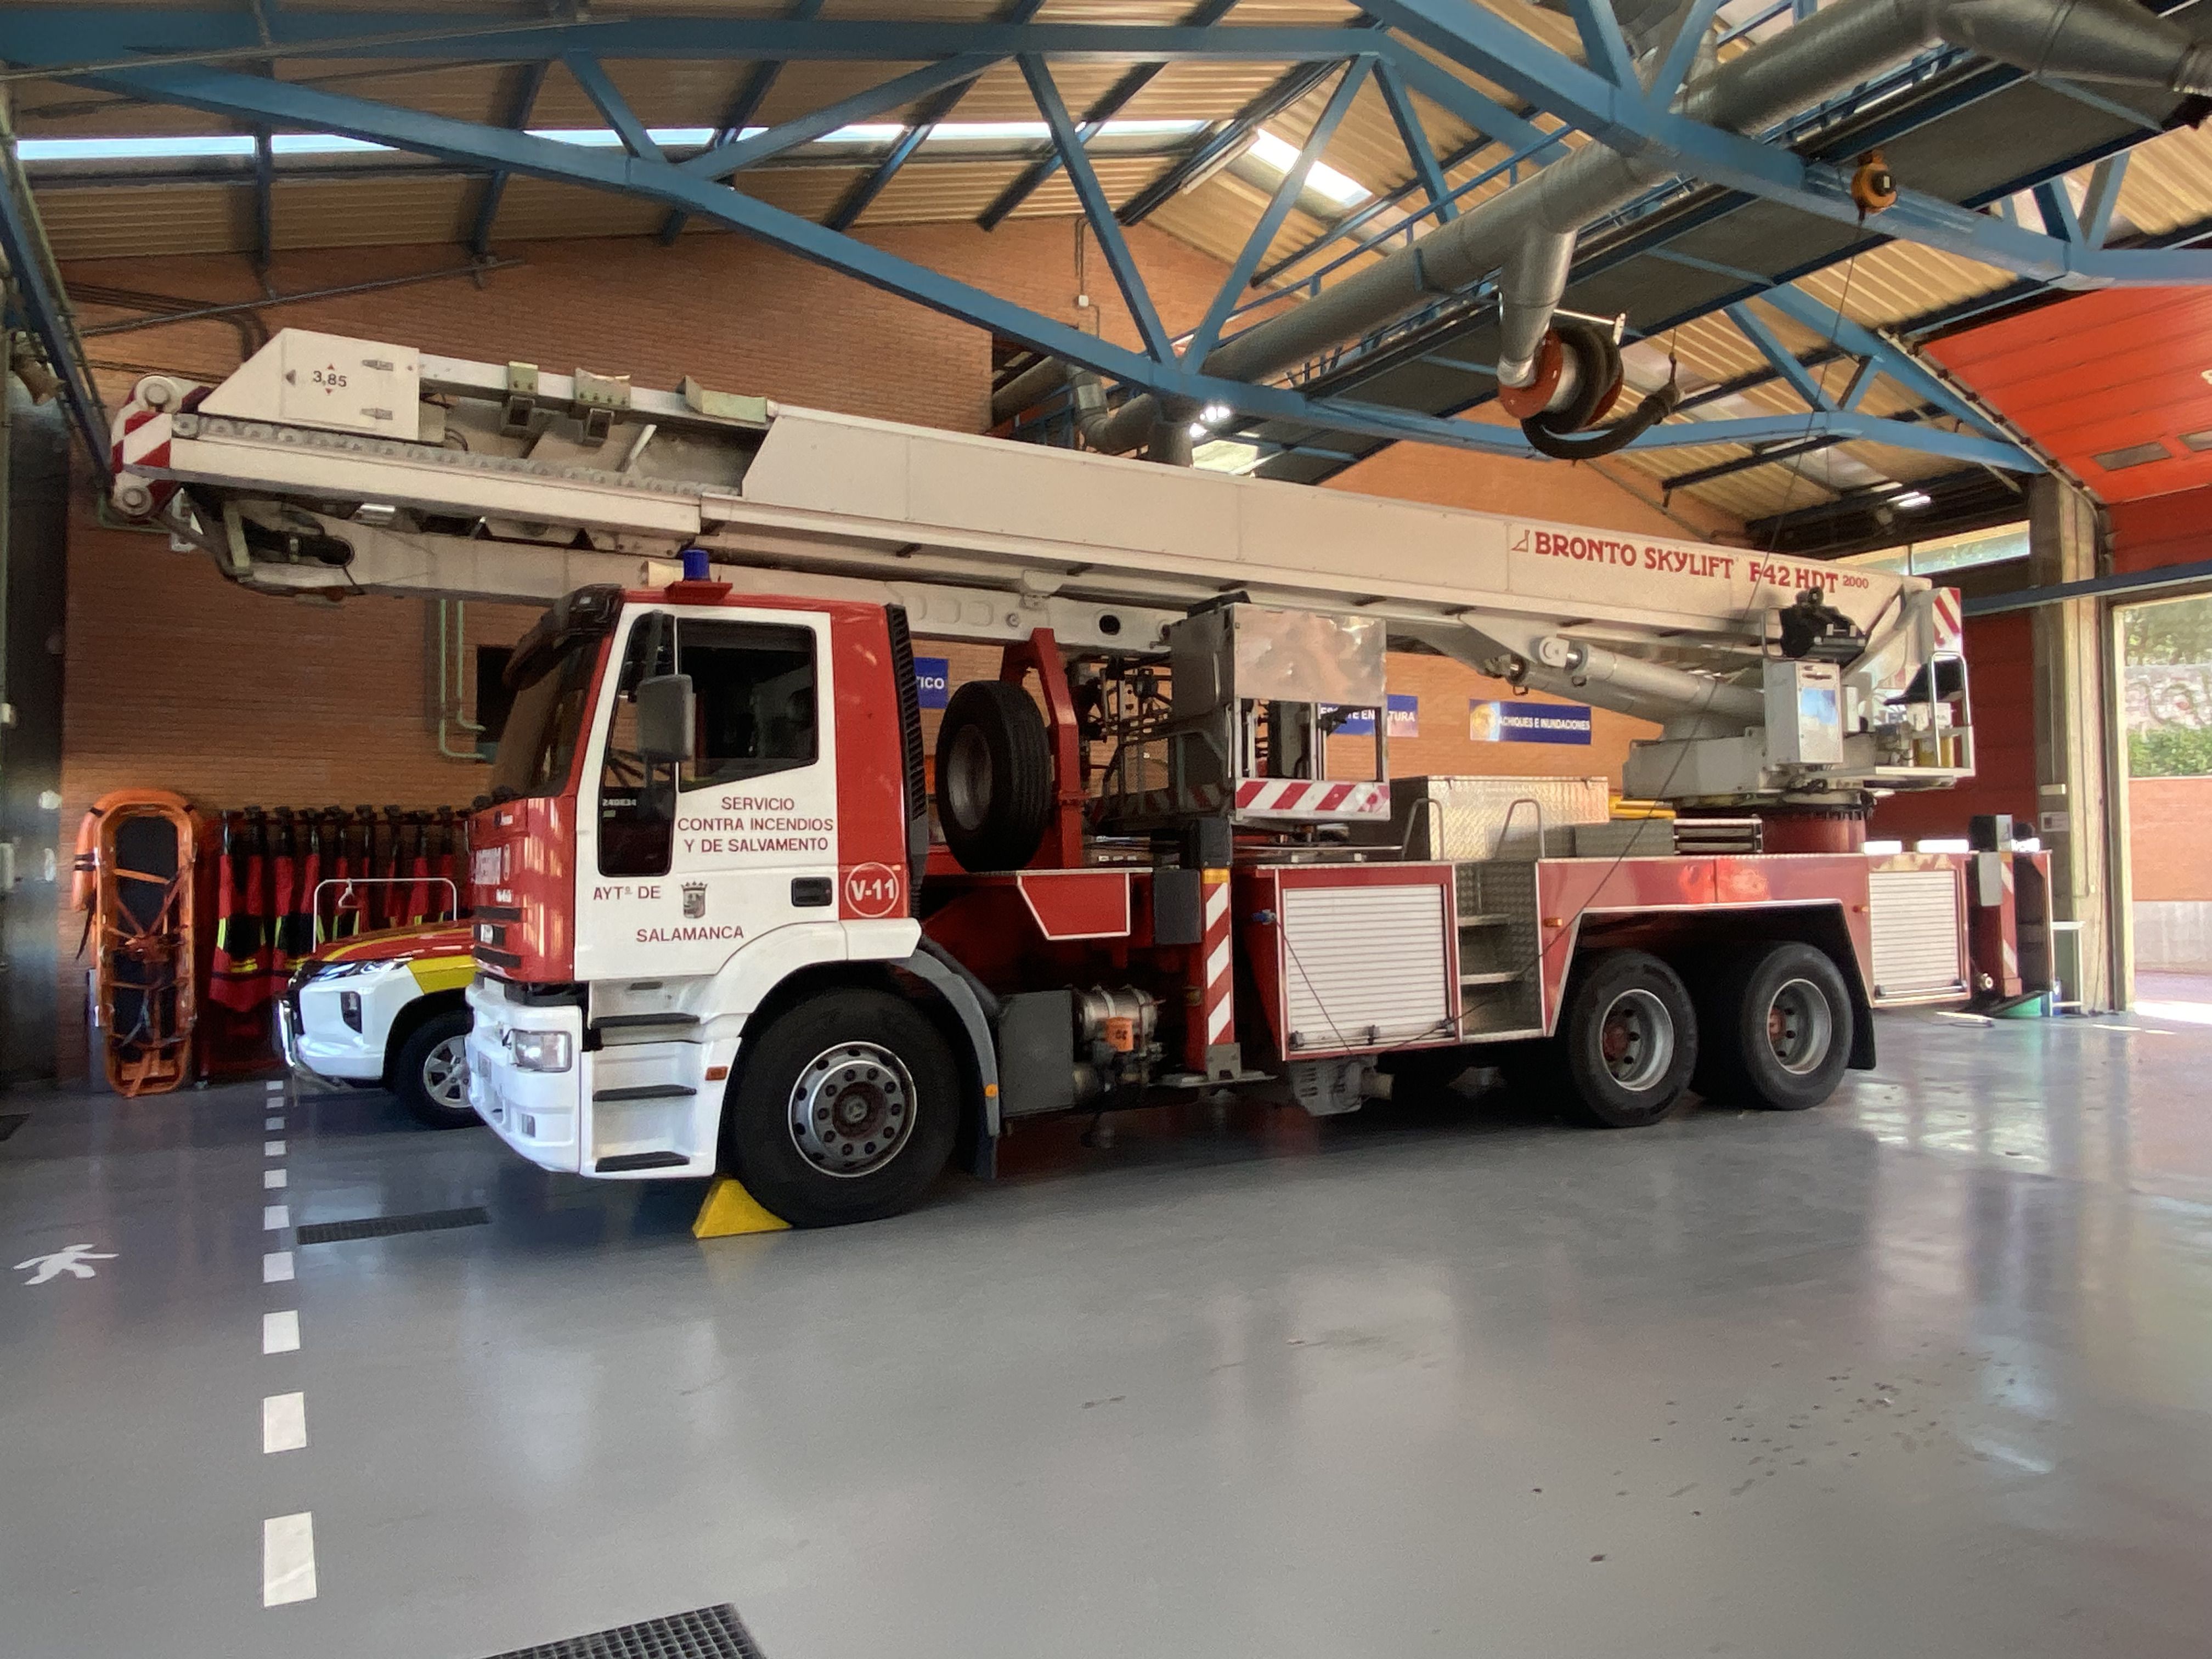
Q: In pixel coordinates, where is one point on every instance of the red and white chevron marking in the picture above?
(2011, 933)
(1950, 619)
(1214, 1018)
(1220, 1001)
(1299, 797)
(140, 441)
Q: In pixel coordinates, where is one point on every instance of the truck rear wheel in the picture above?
(846, 1109)
(1779, 1030)
(1629, 1039)
(994, 784)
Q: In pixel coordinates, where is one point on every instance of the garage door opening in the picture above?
(2165, 685)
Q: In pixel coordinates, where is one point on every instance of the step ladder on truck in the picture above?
(714, 932)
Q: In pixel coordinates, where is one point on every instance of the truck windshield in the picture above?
(538, 747)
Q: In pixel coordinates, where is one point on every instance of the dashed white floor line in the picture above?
(284, 1422)
(288, 1558)
(288, 1541)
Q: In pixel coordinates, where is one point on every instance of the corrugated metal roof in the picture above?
(2169, 183)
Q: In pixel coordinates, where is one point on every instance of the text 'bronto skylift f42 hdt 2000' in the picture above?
(714, 932)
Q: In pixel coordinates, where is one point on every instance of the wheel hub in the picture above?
(1799, 1026)
(1635, 1039)
(852, 1108)
(445, 1074)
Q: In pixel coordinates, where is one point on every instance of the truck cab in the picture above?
(694, 802)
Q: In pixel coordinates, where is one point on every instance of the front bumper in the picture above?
(539, 1113)
(317, 1042)
(640, 1110)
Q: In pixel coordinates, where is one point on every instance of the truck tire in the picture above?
(1779, 1030)
(1629, 1040)
(430, 1072)
(994, 783)
(846, 1109)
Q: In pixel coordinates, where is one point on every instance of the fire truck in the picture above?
(719, 927)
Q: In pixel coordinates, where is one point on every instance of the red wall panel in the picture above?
(2162, 530)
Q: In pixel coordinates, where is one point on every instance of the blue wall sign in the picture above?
(932, 680)
(1526, 720)
(1405, 720)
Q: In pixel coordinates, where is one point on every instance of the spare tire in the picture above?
(994, 787)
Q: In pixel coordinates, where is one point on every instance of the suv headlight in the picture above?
(321, 970)
(538, 1051)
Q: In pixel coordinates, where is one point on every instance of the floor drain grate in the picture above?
(11, 1121)
(702, 1634)
(384, 1226)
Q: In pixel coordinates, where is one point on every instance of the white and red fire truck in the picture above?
(715, 931)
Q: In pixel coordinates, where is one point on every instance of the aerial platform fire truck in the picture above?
(714, 932)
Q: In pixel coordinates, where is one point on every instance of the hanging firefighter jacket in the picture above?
(349, 901)
(283, 878)
(419, 907)
(296, 932)
(234, 976)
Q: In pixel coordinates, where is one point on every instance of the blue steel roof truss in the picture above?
(1342, 406)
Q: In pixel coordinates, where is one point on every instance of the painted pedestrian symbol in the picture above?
(74, 1260)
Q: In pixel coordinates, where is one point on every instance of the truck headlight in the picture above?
(538, 1051)
(350, 1008)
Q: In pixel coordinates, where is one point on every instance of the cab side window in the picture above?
(754, 683)
(753, 690)
(637, 802)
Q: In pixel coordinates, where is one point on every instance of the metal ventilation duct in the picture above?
(1528, 232)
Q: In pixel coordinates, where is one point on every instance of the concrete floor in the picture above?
(1927, 1371)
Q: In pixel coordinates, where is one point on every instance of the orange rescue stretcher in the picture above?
(135, 855)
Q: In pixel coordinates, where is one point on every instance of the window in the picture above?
(755, 685)
(1948, 553)
(753, 690)
(545, 718)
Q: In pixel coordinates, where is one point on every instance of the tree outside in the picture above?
(2168, 648)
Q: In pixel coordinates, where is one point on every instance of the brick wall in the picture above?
(2169, 853)
(179, 680)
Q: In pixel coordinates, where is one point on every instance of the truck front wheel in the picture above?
(1629, 1039)
(846, 1109)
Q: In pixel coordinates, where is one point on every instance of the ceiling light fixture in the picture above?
(1911, 499)
(1323, 180)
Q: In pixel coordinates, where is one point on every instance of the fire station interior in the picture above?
(993, 828)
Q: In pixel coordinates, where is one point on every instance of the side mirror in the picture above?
(664, 718)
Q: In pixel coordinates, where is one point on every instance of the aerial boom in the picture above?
(336, 465)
